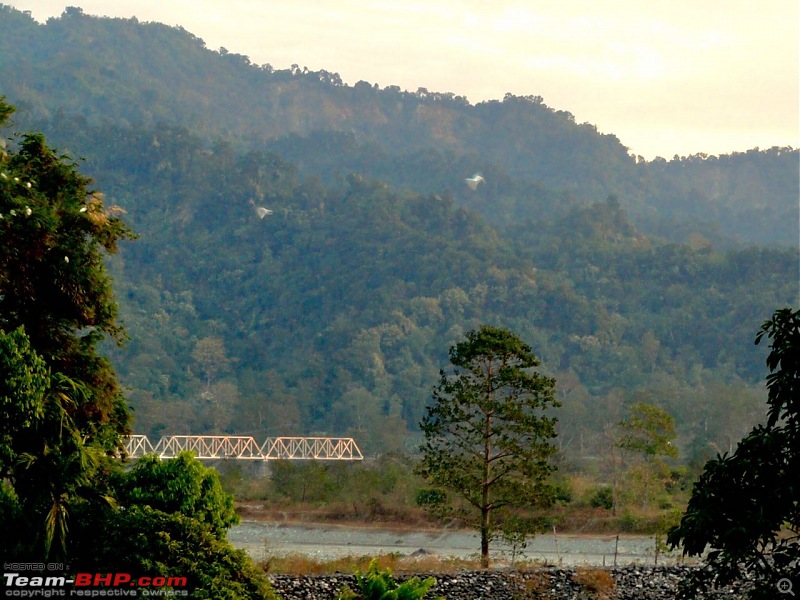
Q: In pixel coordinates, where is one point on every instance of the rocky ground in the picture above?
(623, 583)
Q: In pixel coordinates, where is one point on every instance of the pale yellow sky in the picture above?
(666, 78)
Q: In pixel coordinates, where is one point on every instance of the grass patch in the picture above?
(535, 586)
(300, 564)
(598, 582)
(399, 518)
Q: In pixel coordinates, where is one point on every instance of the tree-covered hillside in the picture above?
(137, 74)
(334, 313)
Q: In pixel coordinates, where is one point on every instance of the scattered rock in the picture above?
(630, 583)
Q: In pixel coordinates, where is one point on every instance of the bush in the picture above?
(430, 497)
(602, 497)
(181, 485)
(380, 585)
(563, 491)
(598, 582)
(630, 523)
(145, 541)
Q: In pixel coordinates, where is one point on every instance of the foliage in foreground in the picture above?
(377, 584)
(64, 496)
(192, 490)
(61, 409)
(746, 506)
(171, 520)
(144, 540)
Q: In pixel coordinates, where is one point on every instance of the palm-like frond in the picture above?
(56, 527)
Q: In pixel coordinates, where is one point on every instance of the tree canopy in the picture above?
(537, 159)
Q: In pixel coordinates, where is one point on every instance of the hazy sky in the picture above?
(676, 77)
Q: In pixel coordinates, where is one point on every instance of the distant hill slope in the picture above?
(130, 73)
(335, 312)
(145, 73)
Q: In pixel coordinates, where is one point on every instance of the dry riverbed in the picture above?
(262, 539)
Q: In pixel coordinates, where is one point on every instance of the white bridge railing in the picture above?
(246, 448)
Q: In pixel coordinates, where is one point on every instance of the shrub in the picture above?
(380, 585)
(430, 497)
(144, 540)
(563, 491)
(602, 497)
(598, 582)
(630, 523)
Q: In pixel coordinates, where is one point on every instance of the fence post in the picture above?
(558, 553)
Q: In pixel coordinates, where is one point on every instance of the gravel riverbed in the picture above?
(324, 542)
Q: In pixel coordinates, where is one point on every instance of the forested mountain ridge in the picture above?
(145, 73)
(125, 72)
(336, 311)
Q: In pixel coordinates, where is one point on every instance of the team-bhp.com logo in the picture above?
(94, 585)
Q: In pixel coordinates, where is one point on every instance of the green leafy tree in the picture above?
(145, 540)
(180, 485)
(210, 356)
(649, 430)
(56, 233)
(170, 520)
(61, 407)
(24, 381)
(648, 433)
(487, 435)
(746, 506)
(62, 414)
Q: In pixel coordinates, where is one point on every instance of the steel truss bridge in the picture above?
(240, 447)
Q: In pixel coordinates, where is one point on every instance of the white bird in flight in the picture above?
(260, 210)
(474, 181)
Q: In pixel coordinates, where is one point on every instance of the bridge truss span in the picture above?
(209, 446)
(316, 448)
(238, 447)
(138, 445)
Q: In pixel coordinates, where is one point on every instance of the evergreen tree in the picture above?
(487, 436)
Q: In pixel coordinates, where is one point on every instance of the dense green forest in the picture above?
(633, 281)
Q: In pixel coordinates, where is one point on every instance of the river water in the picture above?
(264, 539)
